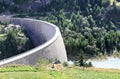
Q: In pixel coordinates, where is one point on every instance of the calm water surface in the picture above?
(110, 62)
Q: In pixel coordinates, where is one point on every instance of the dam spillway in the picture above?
(45, 36)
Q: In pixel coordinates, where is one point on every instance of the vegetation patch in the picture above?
(13, 40)
(65, 73)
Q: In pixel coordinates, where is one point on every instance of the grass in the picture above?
(2, 35)
(17, 69)
(29, 72)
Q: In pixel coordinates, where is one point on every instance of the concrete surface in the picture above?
(46, 38)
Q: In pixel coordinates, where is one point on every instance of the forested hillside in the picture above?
(88, 26)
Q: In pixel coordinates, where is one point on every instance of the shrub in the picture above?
(89, 64)
(56, 61)
(65, 64)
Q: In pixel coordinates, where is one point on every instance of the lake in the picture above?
(110, 62)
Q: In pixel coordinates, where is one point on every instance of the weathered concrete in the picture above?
(46, 37)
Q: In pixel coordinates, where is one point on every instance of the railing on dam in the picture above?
(45, 36)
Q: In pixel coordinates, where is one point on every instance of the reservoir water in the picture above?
(110, 62)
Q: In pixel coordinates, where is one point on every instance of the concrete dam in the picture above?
(45, 36)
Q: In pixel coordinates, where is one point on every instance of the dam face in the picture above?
(45, 36)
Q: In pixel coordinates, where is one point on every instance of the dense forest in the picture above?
(92, 28)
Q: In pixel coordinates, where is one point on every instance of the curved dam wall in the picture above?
(45, 36)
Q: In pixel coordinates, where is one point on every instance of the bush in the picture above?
(56, 61)
(88, 64)
(65, 64)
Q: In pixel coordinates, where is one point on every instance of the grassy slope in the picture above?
(27, 72)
